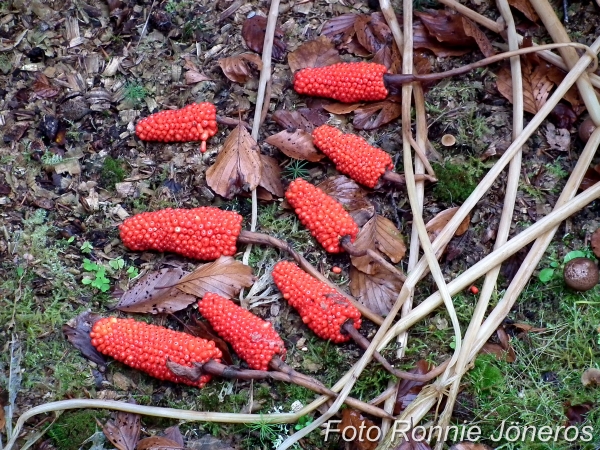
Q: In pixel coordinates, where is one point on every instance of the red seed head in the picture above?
(196, 122)
(201, 233)
(352, 155)
(251, 337)
(321, 307)
(325, 218)
(346, 82)
(147, 347)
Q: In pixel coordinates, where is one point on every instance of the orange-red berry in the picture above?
(321, 307)
(352, 155)
(201, 233)
(252, 338)
(346, 82)
(336, 270)
(147, 347)
(196, 122)
(325, 218)
(474, 290)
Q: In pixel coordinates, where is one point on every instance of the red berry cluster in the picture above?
(352, 155)
(252, 338)
(146, 347)
(196, 122)
(321, 307)
(346, 82)
(200, 233)
(326, 219)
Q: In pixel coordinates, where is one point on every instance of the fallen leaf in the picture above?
(270, 178)
(471, 29)
(526, 328)
(239, 68)
(77, 331)
(354, 420)
(467, 445)
(42, 87)
(149, 295)
(563, 116)
(341, 108)
(435, 226)
(296, 144)
(558, 138)
(124, 431)
(340, 25)
(225, 277)
(418, 443)
(365, 35)
(374, 115)
(408, 389)
(423, 40)
(572, 95)
(158, 443)
(201, 330)
(577, 413)
(292, 120)
(378, 292)
(595, 242)
(591, 177)
(590, 376)
(525, 7)
(390, 57)
(446, 26)
(319, 52)
(193, 77)
(238, 166)
(173, 433)
(3, 404)
(208, 442)
(253, 32)
(352, 197)
(502, 351)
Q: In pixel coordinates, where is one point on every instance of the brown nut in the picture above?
(586, 129)
(581, 274)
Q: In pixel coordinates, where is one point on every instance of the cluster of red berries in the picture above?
(325, 218)
(352, 155)
(204, 233)
(345, 82)
(196, 122)
(252, 338)
(321, 307)
(147, 347)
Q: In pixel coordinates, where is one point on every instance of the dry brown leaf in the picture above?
(422, 63)
(536, 84)
(484, 44)
(595, 242)
(441, 219)
(297, 144)
(270, 178)
(42, 87)
(173, 433)
(408, 389)
(124, 431)
(225, 277)
(253, 32)
(340, 25)
(239, 68)
(193, 77)
(352, 197)
(238, 166)
(390, 57)
(365, 35)
(374, 115)
(354, 420)
(558, 138)
(525, 7)
(446, 26)
(158, 443)
(377, 292)
(149, 295)
(572, 95)
(2, 413)
(202, 330)
(319, 52)
(292, 120)
(77, 332)
(591, 177)
(341, 108)
(591, 376)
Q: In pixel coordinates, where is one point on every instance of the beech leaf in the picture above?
(446, 26)
(378, 292)
(536, 84)
(441, 219)
(158, 443)
(374, 115)
(270, 178)
(472, 30)
(253, 32)
(193, 77)
(343, 24)
(352, 197)
(225, 277)
(77, 332)
(292, 120)
(238, 68)
(238, 166)
(365, 35)
(341, 108)
(525, 7)
(408, 389)
(296, 144)
(124, 431)
(319, 52)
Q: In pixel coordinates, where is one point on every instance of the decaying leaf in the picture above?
(595, 242)
(193, 77)
(270, 178)
(374, 115)
(354, 420)
(208, 442)
(158, 443)
(352, 197)
(291, 120)
(253, 32)
(572, 95)
(591, 376)
(296, 144)
(123, 432)
(149, 295)
(435, 226)
(525, 7)
(378, 292)
(225, 277)
(472, 30)
(174, 434)
(365, 34)
(238, 166)
(408, 390)
(42, 87)
(319, 52)
(238, 68)
(77, 331)
(502, 351)
(558, 138)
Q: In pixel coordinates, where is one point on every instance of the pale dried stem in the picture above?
(491, 25)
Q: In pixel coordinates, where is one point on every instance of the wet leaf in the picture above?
(149, 295)
(225, 277)
(296, 144)
(558, 138)
(525, 7)
(253, 32)
(292, 120)
(319, 52)
(352, 197)
(42, 87)
(374, 115)
(77, 331)
(595, 242)
(472, 30)
(563, 116)
(239, 68)
(408, 390)
(378, 292)
(591, 377)
(238, 166)
(124, 431)
(354, 420)
(435, 226)
(158, 443)
(270, 178)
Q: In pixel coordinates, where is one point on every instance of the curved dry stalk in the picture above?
(374, 255)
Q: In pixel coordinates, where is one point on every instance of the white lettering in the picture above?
(329, 430)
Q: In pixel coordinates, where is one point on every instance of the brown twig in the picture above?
(375, 256)
(229, 122)
(250, 237)
(398, 179)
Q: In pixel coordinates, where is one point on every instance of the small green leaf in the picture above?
(86, 247)
(574, 254)
(114, 264)
(71, 239)
(89, 266)
(20, 271)
(554, 264)
(86, 280)
(546, 275)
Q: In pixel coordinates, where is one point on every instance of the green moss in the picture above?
(112, 172)
(455, 181)
(73, 428)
